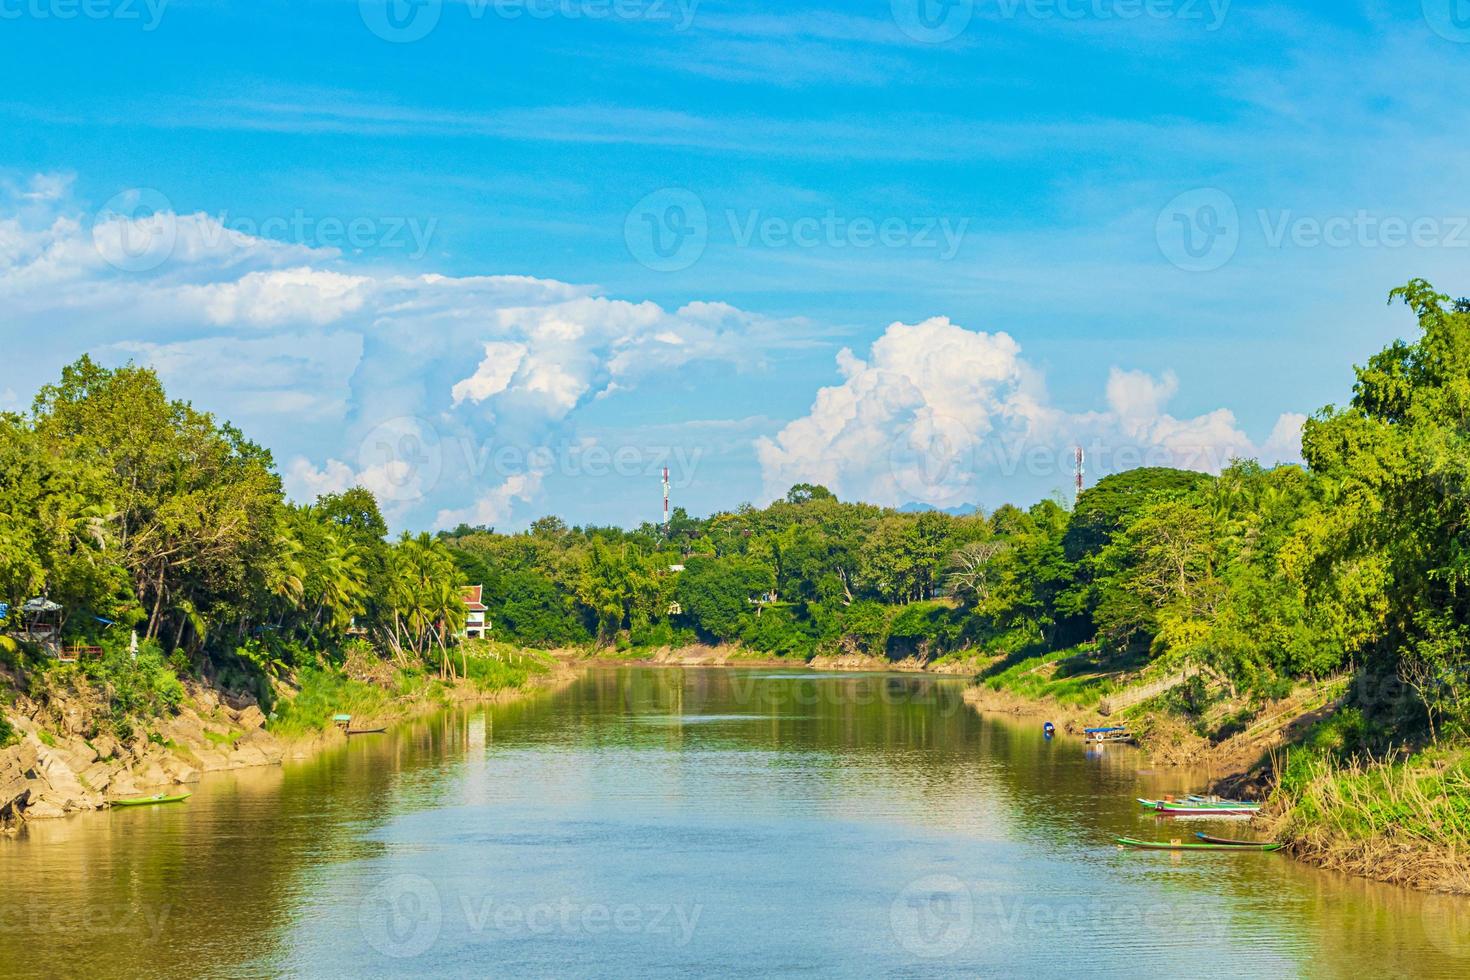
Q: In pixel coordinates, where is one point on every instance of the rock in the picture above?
(246, 756)
(250, 718)
(123, 786)
(106, 746)
(239, 702)
(150, 773)
(186, 730)
(98, 776)
(212, 760)
(16, 764)
(44, 809)
(79, 755)
(74, 719)
(180, 771)
(266, 743)
(63, 786)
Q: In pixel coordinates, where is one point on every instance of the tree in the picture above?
(805, 493)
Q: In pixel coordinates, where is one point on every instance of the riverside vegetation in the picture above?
(1318, 611)
(257, 619)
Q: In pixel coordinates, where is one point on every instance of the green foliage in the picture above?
(530, 608)
(1072, 676)
(8, 734)
(136, 688)
(719, 595)
(497, 666)
(322, 693)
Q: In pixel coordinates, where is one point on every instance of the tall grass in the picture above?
(1069, 677)
(324, 692)
(494, 666)
(1406, 822)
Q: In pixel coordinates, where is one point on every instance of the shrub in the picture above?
(138, 687)
(321, 694)
(8, 735)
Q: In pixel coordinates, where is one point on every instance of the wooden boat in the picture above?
(151, 800)
(1108, 735)
(366, 731)
(1227, 841)
(1179, 845)
(1206, 809)
(1194, 805)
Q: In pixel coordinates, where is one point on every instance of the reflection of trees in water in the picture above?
(224, 877)
(212, 881)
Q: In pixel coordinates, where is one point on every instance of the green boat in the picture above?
(1200, 806)
(1177, 845)
(151, 800)
(1229, 841)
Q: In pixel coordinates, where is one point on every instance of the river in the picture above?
(663, 822)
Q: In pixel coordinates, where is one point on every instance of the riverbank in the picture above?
(1405, 822)
(67, 756)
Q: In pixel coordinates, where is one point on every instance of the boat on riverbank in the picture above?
(1179, 845)
(152, 800)
(1197, 806)
(1226, 841)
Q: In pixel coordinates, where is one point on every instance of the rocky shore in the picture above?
(56, 769)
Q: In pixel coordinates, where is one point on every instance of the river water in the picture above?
(666, 822)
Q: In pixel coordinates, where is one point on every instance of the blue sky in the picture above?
(916, 249)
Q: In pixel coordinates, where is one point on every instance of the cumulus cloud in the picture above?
(942, 415)
(408, 383)
(352, 371)
(298, 295)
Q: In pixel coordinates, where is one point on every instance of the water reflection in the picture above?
(694, 820)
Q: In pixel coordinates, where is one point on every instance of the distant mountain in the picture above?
(959, 510)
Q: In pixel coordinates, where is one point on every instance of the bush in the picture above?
(138, 687)
(8, 735)
(321, 694)
(779, 632)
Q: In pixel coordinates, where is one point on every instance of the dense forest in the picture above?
(133, 511)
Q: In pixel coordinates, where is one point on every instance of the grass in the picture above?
(1406, 822)
(1071, 677)
(493, 666)
(8, 735)
(325, 692)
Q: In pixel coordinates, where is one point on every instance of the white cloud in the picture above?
(297, 295)
(496, 505)
(345, 368)
(939, 414)
(493, 376)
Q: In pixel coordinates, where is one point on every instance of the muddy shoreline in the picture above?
(55, 773)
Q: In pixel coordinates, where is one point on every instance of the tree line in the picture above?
(135, 512)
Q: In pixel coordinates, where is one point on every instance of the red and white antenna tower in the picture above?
(666, 499)
(1081, 458)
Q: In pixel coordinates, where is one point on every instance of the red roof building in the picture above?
(475, 624)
